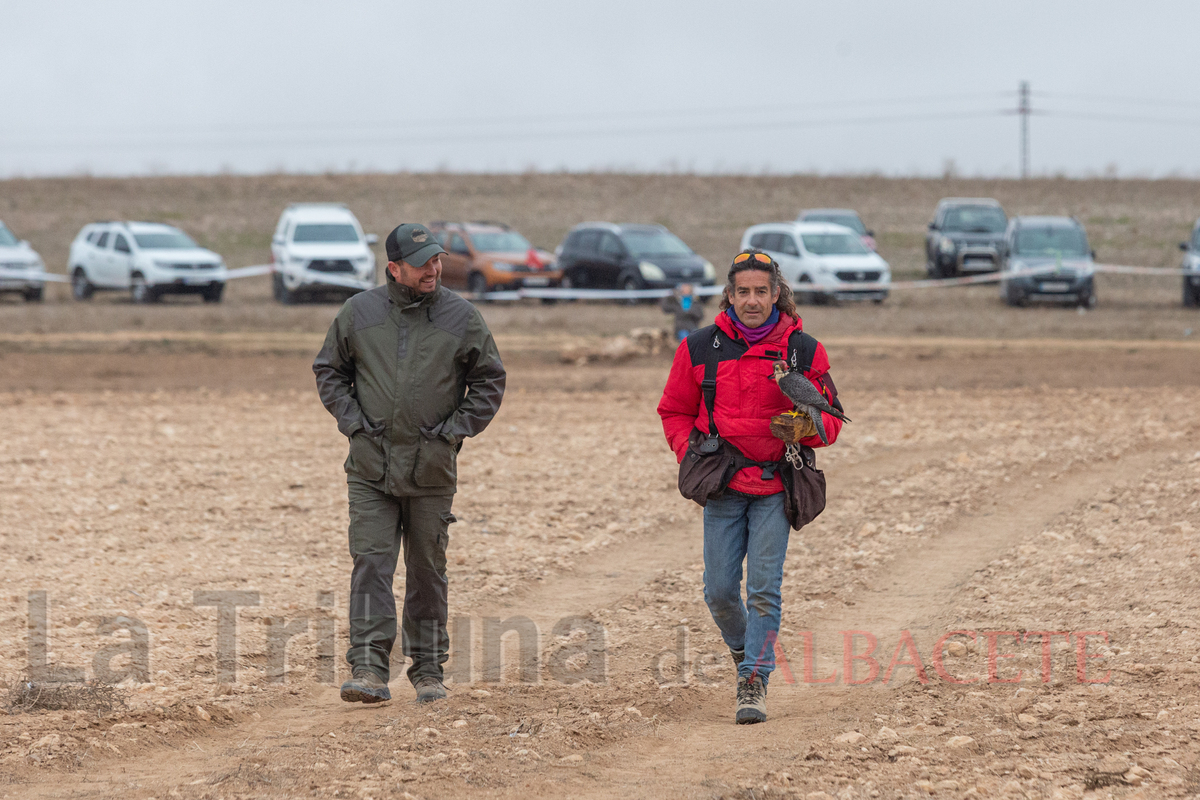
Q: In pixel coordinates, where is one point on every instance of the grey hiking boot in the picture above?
(365, 687)
(429, 689)
(751, 700)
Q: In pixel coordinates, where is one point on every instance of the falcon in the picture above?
(807, 399)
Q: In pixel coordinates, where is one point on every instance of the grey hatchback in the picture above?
(1055, 250)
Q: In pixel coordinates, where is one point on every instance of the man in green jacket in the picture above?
(409, 370)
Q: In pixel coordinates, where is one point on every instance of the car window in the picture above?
(443, 237)
(457, 245)
(757, 240)
(974, 219)
(850, 221)
(6, 237)
(589, 243)
(507, 242)
(1056, 241)
(787, 245)
(834, 244)
(1196, 240)
(610, 247)
(642, 243)
(92, 237)
(325, 232)
(103, 240)
(121, 244)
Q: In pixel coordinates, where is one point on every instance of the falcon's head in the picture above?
(780, 370)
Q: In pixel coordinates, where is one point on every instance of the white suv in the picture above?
(19, 267)
(821, 260)
(145, 258)
(320, 247)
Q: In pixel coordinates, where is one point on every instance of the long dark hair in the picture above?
(786, 302)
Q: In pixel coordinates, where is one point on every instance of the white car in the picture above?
(319, 247)
(144, 258)
(822, 260)
(17, 261)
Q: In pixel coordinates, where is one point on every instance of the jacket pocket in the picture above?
(366, 459)
(436, 464)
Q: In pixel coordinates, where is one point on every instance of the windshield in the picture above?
(851, 221)
(172, 240)
(6, 237)
(655, 243)
(325, 233)
(1051, 241)
(975, 219)
(508, 242)
(834, 244)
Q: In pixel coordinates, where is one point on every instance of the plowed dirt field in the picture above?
(1000, 487)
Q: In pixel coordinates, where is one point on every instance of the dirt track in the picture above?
(988, 486)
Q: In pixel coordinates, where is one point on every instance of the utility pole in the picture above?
(1023, 111)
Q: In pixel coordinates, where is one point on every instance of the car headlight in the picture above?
(503, 266)
(946, 245)
(297, 259)
(710, 274)
(164, 264)
(651, 272)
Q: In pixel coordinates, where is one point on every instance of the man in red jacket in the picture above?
(747, 521)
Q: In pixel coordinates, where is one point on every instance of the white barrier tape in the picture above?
(248, 272)
(1121, 269)
(33, 276)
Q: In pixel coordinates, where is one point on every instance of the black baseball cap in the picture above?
(413, 243)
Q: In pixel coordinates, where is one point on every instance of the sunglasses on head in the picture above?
(760, 257)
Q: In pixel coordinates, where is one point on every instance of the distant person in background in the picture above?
(687, 309)
(409, 370)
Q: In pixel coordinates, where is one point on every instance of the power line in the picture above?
(735, 125)
(475, 121)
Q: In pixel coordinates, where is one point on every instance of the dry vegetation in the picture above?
(1129, 221)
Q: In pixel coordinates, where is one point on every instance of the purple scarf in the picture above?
(754, 335)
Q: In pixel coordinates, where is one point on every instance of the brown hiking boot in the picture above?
(365, 687)
(429, 689)
(751, 700)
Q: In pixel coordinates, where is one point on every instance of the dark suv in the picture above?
(965, 236)
(601, 255)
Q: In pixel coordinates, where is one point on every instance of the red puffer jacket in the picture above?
(747, 397)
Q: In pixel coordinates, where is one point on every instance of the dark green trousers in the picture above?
(381, 527)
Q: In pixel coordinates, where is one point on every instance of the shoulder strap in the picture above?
(802, 349)
(708, 386)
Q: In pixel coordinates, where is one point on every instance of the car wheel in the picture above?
(1014, 296)
(1088, 300)
(631, 284)
(140, 291)
(477, 285)
(213, 293)
(34, 295)
(81, 287)
(284, 295)
(1191, 294)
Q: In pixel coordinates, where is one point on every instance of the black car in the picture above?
(965, 236)
(601, 255)
(1191, 263)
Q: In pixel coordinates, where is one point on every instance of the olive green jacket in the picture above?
(408, 377)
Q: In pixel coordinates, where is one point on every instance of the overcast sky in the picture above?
(893, 86)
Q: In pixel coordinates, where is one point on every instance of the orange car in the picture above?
(490, 256)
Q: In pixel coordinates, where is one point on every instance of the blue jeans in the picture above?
(737, 528)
